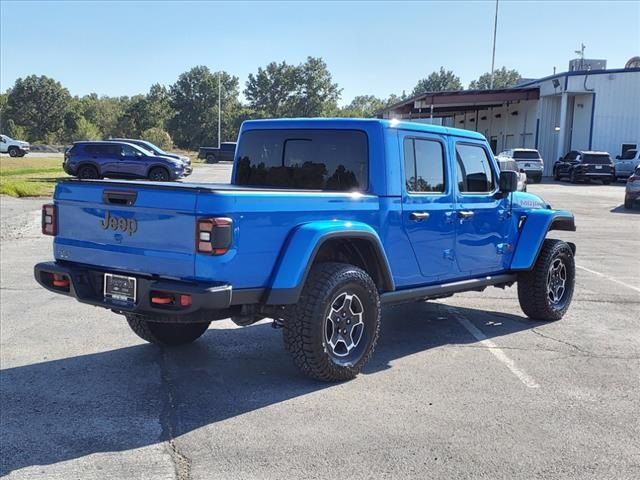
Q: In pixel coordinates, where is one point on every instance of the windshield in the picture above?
(151, 147)
(629, 155)
(526, 155)
(596, 159)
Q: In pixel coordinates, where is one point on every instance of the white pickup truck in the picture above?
(15, 148)
(626, 163)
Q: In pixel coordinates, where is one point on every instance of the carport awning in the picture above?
(444, 104)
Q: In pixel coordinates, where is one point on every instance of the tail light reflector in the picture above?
(213, 235)
(49, 219)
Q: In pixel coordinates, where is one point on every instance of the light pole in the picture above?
(493, 54)
(219, 109)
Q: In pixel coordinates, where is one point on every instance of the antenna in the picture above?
(581, 54)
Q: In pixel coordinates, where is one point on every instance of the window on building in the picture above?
(423, 165)
(474, 171)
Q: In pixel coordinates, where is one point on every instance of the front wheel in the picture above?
(628, 203)
(556, 175)
(159, 174)
(546, 291)
(333, 329)
(14, 152)
(165, 334)
(573, 178)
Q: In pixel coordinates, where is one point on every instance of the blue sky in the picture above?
(122, 48)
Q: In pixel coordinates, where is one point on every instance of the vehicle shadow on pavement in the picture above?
(139, 396)
(621, 209)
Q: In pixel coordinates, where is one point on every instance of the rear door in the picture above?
(481, 212)
(129, 228)
(428, 211)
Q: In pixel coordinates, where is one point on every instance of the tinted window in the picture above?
(474, 169)
(423, 165)
(228, 147)
(596, 159)
(629, 155)
(102, 149)
(129, 151)
(519, 155)
(305, 159)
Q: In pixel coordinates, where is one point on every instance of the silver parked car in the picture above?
(507, 164)
(529, 161)
(626, 163)
(632, 191)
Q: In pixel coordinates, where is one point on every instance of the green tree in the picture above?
(39, 104)
(440, 81)
(104, 112)
(85, 130)
(15, 131)
(194, 97)
(158, 137)
(363, 106)
(316, 95)
(270, 92)
(502, 78)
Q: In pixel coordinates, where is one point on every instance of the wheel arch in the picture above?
(533, 231)
(347, 242)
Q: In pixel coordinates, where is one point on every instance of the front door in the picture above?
(481, 212)
(428, 212)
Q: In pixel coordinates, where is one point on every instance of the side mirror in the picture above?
(508, 181)
(138, 154)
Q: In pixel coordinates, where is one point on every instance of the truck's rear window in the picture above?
(596, 159)
(524, 155)
(304, 159)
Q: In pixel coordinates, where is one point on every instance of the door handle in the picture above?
(419, 216)
(465, 214)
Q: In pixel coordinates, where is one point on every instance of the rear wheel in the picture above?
(88, 172)
(159, 174)
(211, 158)
(546, 291)
(333, 329)
(165, 334)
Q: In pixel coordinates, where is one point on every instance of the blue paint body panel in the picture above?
(276, 232)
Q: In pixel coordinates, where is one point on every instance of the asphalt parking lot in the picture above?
(465, 387)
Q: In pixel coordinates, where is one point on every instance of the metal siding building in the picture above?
(593, 110)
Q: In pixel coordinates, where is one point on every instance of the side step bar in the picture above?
(446, 289)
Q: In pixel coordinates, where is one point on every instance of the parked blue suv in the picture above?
(90, 160)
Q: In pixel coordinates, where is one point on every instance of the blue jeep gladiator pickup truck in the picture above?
(324, 221)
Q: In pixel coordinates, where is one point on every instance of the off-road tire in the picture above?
(159, 174)
(628, 203)
(211, 158)
(165, 334)
(304, 322)
(532, 285)
(88, 172)
(14, 152)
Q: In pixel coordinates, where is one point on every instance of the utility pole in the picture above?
(219, 109)
(493, 54)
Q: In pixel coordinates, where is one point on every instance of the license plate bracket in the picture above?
(598, 167)
(120, 288)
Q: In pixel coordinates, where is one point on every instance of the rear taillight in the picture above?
(49, 219)
(213, 235)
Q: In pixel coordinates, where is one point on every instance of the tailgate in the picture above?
(130, 228)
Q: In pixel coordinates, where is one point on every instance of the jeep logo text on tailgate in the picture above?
(128, 225)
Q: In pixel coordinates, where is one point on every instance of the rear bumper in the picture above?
(208, 302)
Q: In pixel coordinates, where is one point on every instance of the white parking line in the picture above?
(496, 351)
(608, 278)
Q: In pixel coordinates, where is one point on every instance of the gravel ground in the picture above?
(465, 387)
